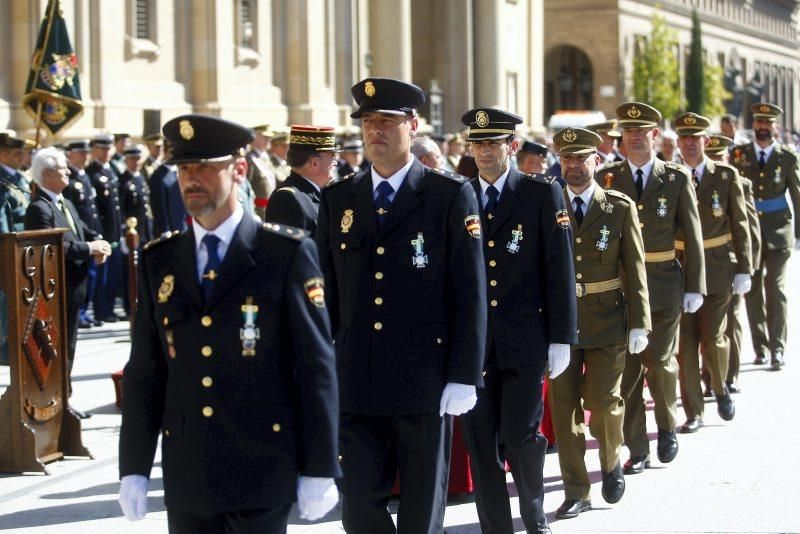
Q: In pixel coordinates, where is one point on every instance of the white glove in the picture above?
(692, 302)
(557, 358)
(457, 399)
(741, 284)
(637, 340)
(133, 496)
(316, 496)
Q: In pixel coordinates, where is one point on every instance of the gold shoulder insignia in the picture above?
(163, 239)
(541, 178)
(337, 181)
(617, 194)
(448, 174)
(291, 190)
(286, 231)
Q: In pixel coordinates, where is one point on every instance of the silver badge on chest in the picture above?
(419, 259)
(516, 236)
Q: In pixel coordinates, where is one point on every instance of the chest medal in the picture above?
(661, 211)
(516, 236)
(419, 259)
(716, 208)
(250, 332)
(602, 243)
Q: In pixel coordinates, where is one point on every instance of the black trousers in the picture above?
(504, 426)
(266, 521)
(374, 448)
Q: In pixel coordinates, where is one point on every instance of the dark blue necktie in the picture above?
(382, 201)
(578, 210)
(211, 271)
(639, 183)
(492, 193)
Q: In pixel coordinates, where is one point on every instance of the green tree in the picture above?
(695, 78)
(715, 93)
(656, 69)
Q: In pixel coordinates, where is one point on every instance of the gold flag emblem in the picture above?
(186, 129)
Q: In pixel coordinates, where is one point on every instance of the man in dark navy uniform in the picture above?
(169, 213)
(401, 252)
(532, 321)
(232, 361)
(106, 185)
(312, 158)
(135, 195)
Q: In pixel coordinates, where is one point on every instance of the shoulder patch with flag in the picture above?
(562, 219)
(473, 226)
(315, 290)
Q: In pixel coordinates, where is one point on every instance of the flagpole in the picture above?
(51, 5)
(38, 124)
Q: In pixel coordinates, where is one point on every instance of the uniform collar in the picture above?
(498, 184)
(767, 150)
(646, 168)
(395, 180)
(224, 231)
(586, 196)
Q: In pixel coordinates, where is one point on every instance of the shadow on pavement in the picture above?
(71, 513)
(111, 488)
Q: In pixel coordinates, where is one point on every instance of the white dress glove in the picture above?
(457, 399)
(692, 302)
(133, 496)
(741, 283)
(316, 496)
(637, 340)
(558, 358)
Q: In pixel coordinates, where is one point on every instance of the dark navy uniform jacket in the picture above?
(106, 185)
(404, 327)
(529, 271)
(295, 203)
(169, 213)
(135, 202)
(83, 196)
(237, 428)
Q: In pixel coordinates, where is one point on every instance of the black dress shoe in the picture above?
(96, 322)
(691, 426)
(667, 448)
(110, 319)
(572, 507)
(777, 360)
(733, 388)
(725, 406)
(613, 485)
(84, 324)
(761, 359)
(543, 530)
(636, 464)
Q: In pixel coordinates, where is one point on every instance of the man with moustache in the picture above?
(400, 246)
(613, 319)
(231, 362)
(774, 170)
(312, 158)
(667, 208)
(723, 219)
(532, 321)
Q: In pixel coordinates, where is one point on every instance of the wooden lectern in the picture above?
(37, 425)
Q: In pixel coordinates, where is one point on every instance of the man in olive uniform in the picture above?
(155, 149)
(613, 319)
(532, 321)
(106, 185)
(723, 219)
(667, 205)
(773, 169)
(260, 172)
(232, 362)
(312, 157)
(607, 131)
(400, 247)
(18, 191)
(717, 150)
(277, 155)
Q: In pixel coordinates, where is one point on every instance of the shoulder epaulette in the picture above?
(286, 231)
(610, 165)
(790, 149)
(677, 167)
(541, 178)
(617, 194)
(337, 181)
(449, 174)
(288, 189)
(163, 239)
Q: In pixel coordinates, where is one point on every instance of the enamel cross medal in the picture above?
(516, 236)
(662, 207)
(250, 333)
(602, 244)
(419, 259)
(716, 208)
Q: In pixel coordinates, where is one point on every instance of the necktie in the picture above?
(578, 210)
(382, 201)
(211, 271)
(762, 159)
(491, 203)
(639, 182)
(67, 215)
(695, 178)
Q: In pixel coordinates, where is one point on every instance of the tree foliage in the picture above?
(715, 93)
(656, 71)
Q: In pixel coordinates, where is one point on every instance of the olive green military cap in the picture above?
(691, 123)
(717, 144)
(765, 110)
(264, 130)
(608, 128)
(576, 141)
(637, 115)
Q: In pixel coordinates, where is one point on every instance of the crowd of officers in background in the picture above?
(727, 212)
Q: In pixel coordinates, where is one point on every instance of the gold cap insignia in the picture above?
(166, 289)
(764, 108)
(569, 136)
(369, 89)
(482, 119)
(714, 141)
(689, 119)
(634, 113)
(186, 129)
(315, 289)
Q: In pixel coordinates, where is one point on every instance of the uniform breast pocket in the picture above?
(346, 243)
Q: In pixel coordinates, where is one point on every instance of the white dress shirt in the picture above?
(498, 184)
(586, 197)
(646, 168)
(224, 232)
(395, 180)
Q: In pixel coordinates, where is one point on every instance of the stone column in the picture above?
(488, 31)
(22, 27)
(390, 38)
(453, 64)
(535, 67)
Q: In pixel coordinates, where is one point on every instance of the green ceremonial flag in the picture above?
(53, 92)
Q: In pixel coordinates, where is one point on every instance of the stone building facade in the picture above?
(280, 62)
(590, 47)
